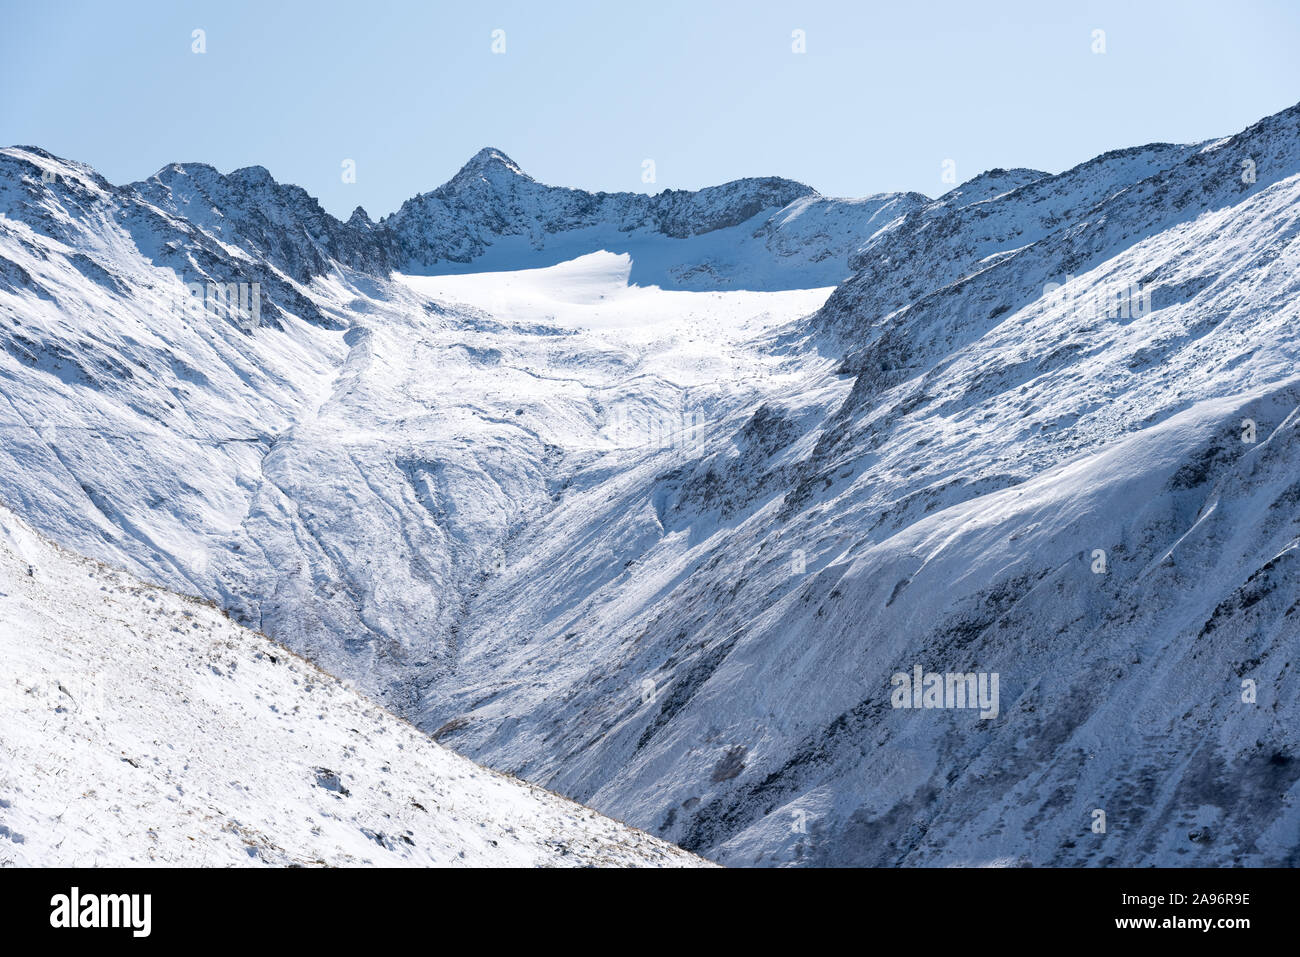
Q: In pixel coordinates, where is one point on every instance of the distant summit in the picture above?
(490, 162)
(491, 199)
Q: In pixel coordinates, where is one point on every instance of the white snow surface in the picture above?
(658, 536)
(143, 727)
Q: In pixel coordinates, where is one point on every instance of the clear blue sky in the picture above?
(586, 91)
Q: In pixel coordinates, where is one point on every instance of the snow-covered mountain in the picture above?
(761, 233)
(274, 471)
(142, 727)
(649, 499)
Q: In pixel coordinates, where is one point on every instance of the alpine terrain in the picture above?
(144, 727)
(791, 529)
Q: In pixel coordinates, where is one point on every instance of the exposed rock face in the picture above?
(270, 221)
(492, 197)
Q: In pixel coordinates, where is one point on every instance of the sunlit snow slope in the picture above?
(138, 726)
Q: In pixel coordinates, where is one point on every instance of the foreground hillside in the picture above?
(138, 726)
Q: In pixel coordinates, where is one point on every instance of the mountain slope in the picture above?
(766, 586)
(139, 727)
(274, 470)
(616, 494)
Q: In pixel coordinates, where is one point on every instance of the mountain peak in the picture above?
(253, 176)
(993, 182)
(490, 162)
